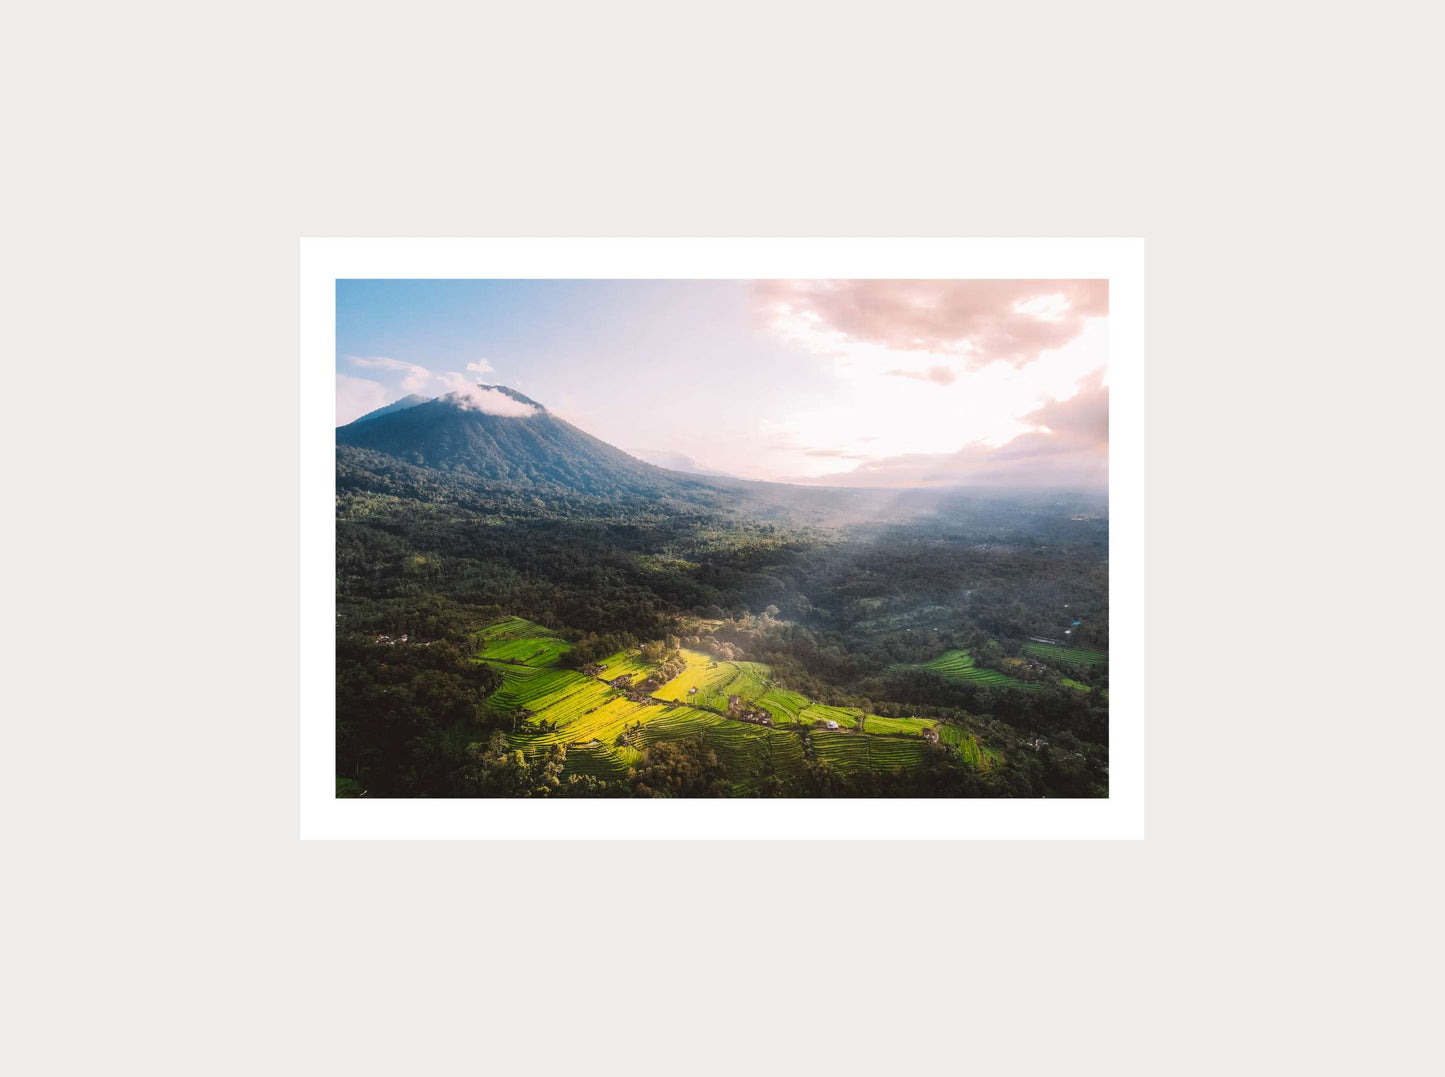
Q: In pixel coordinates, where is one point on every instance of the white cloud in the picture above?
(467, 394)
(416, 378)
(356, 396)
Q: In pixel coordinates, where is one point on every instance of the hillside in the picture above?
(396, 405)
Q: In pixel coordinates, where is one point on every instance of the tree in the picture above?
(680, 768)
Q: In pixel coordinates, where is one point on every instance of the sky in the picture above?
(868, 383)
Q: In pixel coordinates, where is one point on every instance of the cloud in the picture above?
(1078, 422)
(416, 378)
(468, 394)
(356, 396)
(941, 375)
(1067, 444)
(974, 322)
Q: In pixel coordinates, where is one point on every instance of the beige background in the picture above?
(1282, 163)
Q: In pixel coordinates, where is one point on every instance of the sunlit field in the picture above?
(605, 732)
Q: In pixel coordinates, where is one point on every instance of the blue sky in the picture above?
(893, 383)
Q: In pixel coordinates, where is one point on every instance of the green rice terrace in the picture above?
(959, 666)
(1076, 655)
(757, 728)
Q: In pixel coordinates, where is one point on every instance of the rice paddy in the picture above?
(676, 723)
(566, 711)
(968, 746)
(783, 705)
(590, 717)
(840, 749)
(520, 641)
(876, 723)
(600, 761)
(959, 666)
(522, 686)
(716, 680)
(1077, 655)
(846, 717)
(626, 664)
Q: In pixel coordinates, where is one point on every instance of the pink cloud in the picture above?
(979, 321)
(941, 375)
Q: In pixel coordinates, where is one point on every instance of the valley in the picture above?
(523, 610)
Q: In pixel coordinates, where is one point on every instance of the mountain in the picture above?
(675, 461)
(496, 434)
(396, 405)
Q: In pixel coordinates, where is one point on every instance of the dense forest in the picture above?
(984, 612)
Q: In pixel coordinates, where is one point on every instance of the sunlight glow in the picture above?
(891, 405)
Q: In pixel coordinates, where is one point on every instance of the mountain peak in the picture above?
(494, 433)
(497, 400)
(507, 390)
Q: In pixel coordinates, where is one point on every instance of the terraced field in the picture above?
(588, 715)
(566, 711)
(748, 682)
(531, 652)
(607, 722)
(893, 753)
(1077, 655)
(969, 749)
(876, 723)
(602, 761)
(959, 666)
(518, 640)
(850, 751)
(846, 751)
(783, 705)
(626, 663)
(753, 752)
(715, 680)
(678, 722)
(846, 717)
(523, 684)
(703, 672)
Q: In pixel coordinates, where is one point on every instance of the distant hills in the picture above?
(676, 461)
(530, 451)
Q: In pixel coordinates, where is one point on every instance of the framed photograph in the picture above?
(722, 538)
